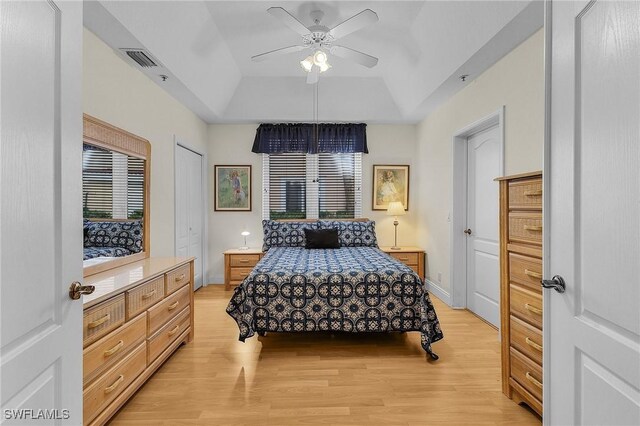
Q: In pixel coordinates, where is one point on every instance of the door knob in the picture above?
(556, 283)
(76, 289)
(467, 231)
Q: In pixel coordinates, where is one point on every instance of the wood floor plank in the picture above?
(325, 378)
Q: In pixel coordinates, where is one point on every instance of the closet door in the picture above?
(196, 215)
(190, 210)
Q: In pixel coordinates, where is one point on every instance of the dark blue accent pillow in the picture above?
(321, 238)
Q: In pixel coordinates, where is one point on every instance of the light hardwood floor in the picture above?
(321, 378)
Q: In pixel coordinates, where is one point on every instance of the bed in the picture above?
(354, 289)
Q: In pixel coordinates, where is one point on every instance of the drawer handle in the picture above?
(533, 309)
(174, 331)
(115, 384)
(532, 274)
(114, 349)
(404, 259)
(533, 228)
(180, 278)
(533, 380)
(149, 295)
(99, 322)
(533, 344)
(174, 305)
(243, 260)
(536, 193)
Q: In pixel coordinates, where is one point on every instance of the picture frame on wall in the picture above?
(390, 183)
(232, 188)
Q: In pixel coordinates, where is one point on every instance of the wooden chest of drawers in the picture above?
(520, 291)
(138, 316)
(238, 264)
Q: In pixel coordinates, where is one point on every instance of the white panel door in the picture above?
(40, 219)
(483, 262)
(182, 211)
(196, 215)
(592, 330)
(190, 210)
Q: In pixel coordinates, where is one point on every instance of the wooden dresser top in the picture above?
(118, 280)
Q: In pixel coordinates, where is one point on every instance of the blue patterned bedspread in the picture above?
(353, 289)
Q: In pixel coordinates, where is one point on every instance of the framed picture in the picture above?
(390, 183)
(232, 188)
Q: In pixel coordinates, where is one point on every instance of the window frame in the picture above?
(312, 188)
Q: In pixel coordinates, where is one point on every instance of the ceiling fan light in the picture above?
(307, 63)
(319, 58)
(324, 66)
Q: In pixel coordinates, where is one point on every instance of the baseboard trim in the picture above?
(438, 291)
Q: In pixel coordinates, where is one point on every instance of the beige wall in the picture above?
(517, 82)
(231, 144)
(117, 93)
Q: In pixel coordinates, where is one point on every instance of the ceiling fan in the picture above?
(319, 39)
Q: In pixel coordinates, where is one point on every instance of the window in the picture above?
(299, 186)
(112, 184)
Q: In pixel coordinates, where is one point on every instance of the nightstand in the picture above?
(238, 264)
(413, 257)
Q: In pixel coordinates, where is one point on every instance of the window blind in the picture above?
(338, 185)
(112, 185)
(325, 186)
(286, 186)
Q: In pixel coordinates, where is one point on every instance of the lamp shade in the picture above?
(395, 208)
(245, 233)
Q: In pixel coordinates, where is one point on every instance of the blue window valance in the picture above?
(310, 138)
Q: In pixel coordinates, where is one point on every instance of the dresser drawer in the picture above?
(525, 227)
(526, 270)
(167, 334)
(526, 305)
(527, 373)
(243, 259)
(406, 258)
(159, 314)
(525, 194)
(177, 278)
(144, 296)
(527, 339)
(101, 319)
(239, 274)
(111, 384)
(113, 347)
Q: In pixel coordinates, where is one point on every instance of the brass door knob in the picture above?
(467, 231)
(76, 289)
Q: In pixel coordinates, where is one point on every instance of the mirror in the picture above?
(115, 184)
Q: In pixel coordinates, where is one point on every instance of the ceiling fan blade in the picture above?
(289, 20)
(355, 56)
(313, 76)
(361, 20)
(283, 51)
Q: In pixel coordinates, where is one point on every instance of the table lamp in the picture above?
(396, 209)
(245, 234)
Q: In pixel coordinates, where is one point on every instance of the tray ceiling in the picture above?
(205, 49)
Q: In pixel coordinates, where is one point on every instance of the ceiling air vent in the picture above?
(141, 57)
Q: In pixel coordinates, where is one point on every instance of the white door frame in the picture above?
(458, 249)
(546, 198)
(178, 143)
